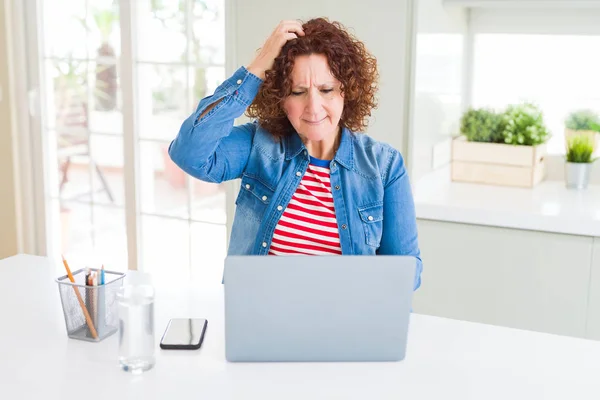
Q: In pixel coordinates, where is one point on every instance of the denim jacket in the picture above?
(370, 187)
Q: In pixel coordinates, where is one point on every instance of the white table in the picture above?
(446, 359)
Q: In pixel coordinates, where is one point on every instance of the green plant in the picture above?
(580, 149)
(524, 125)
(482, 125)
(583, 120)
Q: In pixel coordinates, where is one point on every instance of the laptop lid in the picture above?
(317, 308)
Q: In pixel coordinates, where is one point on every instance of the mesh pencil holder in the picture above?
(91, 312)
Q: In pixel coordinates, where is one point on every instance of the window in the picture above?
(559, 73)
(178, 58)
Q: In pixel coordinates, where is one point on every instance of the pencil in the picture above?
(88, 319)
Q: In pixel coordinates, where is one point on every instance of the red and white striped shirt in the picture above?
(308, 224)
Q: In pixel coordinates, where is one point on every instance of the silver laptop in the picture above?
(317, 308)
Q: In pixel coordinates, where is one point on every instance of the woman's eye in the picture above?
(296, 93)
(326, 90)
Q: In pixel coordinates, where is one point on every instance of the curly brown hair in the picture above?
(349, 61)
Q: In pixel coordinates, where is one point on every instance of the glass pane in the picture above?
(107, 169)
(105, 112)
(208, 201)
(166, 249)
(65, 29)
(545, 74)
(104, 49)
(161, 31)
(104, 34)
(207, 45)
(162, 100)
(66, 94)
(208, 244)
(203, 82)
(73, 180)
(55, 234)
(163, 184)
(76, 233)
(110, 238)
(214, 77)
(88, 236)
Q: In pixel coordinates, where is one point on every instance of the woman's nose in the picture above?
(314, 102)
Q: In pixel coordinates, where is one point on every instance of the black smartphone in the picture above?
(184, 334)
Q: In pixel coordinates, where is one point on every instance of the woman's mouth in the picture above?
(317, 122)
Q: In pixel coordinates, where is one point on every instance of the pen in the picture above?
(101, 320)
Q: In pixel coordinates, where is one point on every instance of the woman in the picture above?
(311, 184)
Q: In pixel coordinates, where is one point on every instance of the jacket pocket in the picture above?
(254, 197)
(372, 220)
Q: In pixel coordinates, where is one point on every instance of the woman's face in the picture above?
(315, 105)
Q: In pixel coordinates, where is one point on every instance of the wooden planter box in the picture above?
(497, 163)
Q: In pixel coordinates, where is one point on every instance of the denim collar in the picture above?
(344, 155)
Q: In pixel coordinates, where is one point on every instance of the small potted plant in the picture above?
(580, 149)
(582, 122)
(505, 148)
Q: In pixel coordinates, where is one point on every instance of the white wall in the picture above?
(381, 24)
(438, 93)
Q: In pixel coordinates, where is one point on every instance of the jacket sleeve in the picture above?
(399, 217)
(211, 148)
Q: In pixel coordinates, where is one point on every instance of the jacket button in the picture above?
(264, 198)
(247, 186)
(337, 187)
(264, 244)
(298, 173)
(370, 218)
(279, 208)
(344, 226)
(239, 82)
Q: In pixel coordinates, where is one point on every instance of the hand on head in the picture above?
(284, 31)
